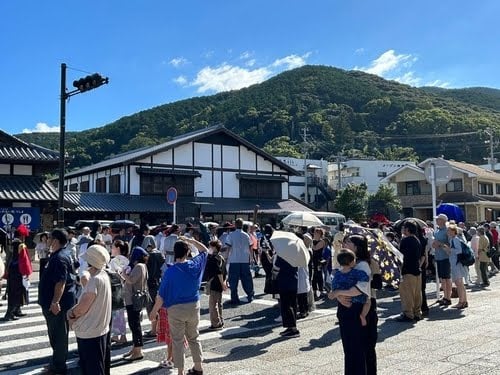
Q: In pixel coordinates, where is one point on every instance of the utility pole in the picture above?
(304, 150)
(339, 156)
(492, 155)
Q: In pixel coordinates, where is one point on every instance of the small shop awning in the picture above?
(242, 176)
(168, 172)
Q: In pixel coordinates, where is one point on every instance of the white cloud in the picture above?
(246, 55)
(359, 51)
(42, 127)
(409, 78)
(388, 62)
(227, 77)
(438, 83)
(291, 61)
(181, 80)
(178, 61)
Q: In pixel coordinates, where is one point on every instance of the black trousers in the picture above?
(371, 338)
(353, 336)
(92, 354)
(423, 278)
(302, 303)
(134, 323)
(317, 279)
(288, 306)
(58, 329)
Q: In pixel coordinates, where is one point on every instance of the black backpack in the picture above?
(117, 301)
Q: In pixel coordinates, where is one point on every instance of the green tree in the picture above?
(351, 201)
(281, 146)
(384, 201)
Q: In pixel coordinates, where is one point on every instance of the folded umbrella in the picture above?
(291, 248)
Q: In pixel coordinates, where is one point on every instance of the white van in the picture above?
(331, 220)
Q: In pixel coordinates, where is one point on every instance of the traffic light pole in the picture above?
(62, 151)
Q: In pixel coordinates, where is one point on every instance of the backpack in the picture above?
(115, 280)
(467, 255)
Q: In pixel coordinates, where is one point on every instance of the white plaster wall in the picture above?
(23, 170)
(217, 156)
(204, 184)
(217, 184)
(4, 168)
(202, 155)
(247, 159)
(284, 190)
(183, 154)
(264, 165)
(135, 181)
(231, 185)
(230, 157)
(164, 157)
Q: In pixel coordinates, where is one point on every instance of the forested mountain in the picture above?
(347, 112)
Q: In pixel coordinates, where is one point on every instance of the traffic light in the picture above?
(90, 82)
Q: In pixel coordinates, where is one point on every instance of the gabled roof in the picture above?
(13, 148)
(131, 157)
(470, 169)
(400, 169)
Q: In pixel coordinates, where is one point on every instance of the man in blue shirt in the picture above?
(179, 293)
(442, 258)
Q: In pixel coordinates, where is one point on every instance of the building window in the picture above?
(454, 185)
(260, 189)
(73, 187)
(485, 188)
(382, 174)
(412, 188)
(100, 185)
(498, 188)
(114, 183)
(84, 186)
(159, 184)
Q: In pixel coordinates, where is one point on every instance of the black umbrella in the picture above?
(123, 224)
(398, 225)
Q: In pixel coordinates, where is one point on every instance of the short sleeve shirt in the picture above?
(240, 243)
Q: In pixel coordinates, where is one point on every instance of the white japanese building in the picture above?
(216, 173)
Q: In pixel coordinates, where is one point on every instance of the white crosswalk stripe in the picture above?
(25, 348)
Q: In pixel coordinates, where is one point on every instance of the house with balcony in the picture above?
(474, 189)
(217, 174)
(358, 171)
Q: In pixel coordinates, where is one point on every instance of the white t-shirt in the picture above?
(240, 243)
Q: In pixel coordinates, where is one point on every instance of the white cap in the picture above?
(442, 216)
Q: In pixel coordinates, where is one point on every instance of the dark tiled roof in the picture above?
(26, 188)
(103, 202)
(12, 148)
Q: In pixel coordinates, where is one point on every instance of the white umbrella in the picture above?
(291, 248)
(302, 219)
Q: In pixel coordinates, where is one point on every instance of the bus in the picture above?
(331, 220)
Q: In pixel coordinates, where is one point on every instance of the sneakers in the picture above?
(167, 364)
(290, 332)
(216, 328)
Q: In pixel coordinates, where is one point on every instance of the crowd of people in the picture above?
(99, 281)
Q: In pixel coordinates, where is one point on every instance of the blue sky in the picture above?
(158, 51)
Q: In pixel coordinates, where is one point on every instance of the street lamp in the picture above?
(81, 85)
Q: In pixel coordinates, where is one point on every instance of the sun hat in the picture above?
(442, 216)
(96, 256)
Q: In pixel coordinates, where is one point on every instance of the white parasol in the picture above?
(302, 219)
(291, 248)
(118, 263)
